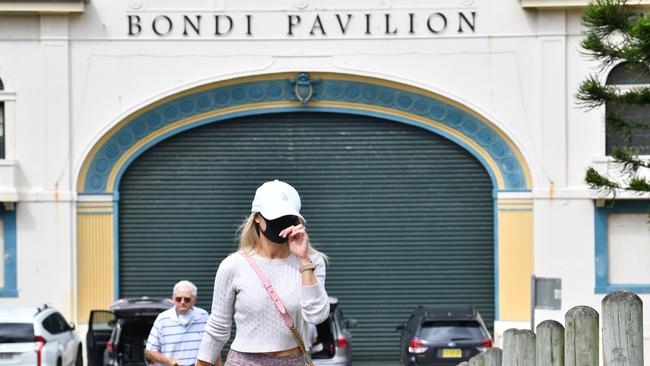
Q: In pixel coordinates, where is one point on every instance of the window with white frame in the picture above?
(626, 76)
(622, 247)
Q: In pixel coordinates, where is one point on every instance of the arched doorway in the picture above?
(100, 177)
(405, 215)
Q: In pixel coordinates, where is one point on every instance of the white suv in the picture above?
(37, 336)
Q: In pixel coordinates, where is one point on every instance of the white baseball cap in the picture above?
(276, 199)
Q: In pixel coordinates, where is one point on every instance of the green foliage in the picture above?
(592, 93)
(599, 182)
(639, 184)
(617, 32)
(607, 16)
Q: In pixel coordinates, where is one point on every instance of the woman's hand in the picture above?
(298, 240)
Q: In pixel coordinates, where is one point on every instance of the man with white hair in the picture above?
(176, 334)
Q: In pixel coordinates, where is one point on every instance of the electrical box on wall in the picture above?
(547, 293)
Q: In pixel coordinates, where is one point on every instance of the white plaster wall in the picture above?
(45, 256)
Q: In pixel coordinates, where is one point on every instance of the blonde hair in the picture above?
(249, 237)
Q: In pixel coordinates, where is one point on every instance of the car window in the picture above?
(16, 332)
(448, 331)
(63, 324)
(102, 320)
(55, 324)
(51, 325)
(338, 315)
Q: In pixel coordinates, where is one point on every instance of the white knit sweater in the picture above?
(240, 295)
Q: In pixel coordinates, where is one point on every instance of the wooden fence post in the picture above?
(493, 357)
(518, 348)
(622, 329)
(550, 343)
(478, 360)
(581, 343)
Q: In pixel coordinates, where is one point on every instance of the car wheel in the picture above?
(59, 362)
(79, 361)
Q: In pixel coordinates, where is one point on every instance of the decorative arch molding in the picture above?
(101, 171)
(275, 93)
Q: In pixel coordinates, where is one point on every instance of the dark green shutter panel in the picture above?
(405, 215)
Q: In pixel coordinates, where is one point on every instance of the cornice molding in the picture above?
(42, 6)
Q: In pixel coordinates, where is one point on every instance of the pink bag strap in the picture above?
(269, 288)
(281, 308)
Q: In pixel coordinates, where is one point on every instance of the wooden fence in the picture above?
(552, 345)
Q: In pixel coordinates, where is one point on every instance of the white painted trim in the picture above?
(39, 195)
(583, 194)
(95, 198)
(6, 96)
(43, 7)
(562, 4)
(517, 195)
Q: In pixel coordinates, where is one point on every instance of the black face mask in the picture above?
(274, 227)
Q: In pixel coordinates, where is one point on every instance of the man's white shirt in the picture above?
(178, 338)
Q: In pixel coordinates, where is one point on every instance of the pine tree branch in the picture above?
(596, 47)
(618, 32)
(628, 160)
(607, 16)
(592, 93)
(640, 41)
(638, 184)
(638, 96)
(598, 182)
(619, 125)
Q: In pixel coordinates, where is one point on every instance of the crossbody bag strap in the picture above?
(278, 305)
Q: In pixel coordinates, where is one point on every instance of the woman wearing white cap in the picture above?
(272, 241)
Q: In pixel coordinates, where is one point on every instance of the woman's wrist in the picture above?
(309, 266)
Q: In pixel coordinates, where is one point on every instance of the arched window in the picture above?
(625, 77)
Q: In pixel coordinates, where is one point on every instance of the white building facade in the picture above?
(91, 90)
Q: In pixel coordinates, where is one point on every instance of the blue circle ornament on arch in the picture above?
(352, 95)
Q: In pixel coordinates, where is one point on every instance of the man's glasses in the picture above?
(183, 299)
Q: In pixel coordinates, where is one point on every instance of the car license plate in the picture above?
(452, 353)
(4, 356)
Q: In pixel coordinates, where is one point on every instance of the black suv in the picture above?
(442, 336)
(118, 337)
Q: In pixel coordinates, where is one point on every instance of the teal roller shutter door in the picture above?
(405, 215)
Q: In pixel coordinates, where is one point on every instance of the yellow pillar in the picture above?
(95, 257)
(515, 220)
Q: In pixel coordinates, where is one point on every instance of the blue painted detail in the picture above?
(239, 94)
(154, 120)
(116, 248)
(203, 102)
(601, 215)
(187, 106)
(387, 97)
(256, 93)
(10, 288)
(370, 95)
(303, 88)
(495, 218)
(362, 94)
(437, 112)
